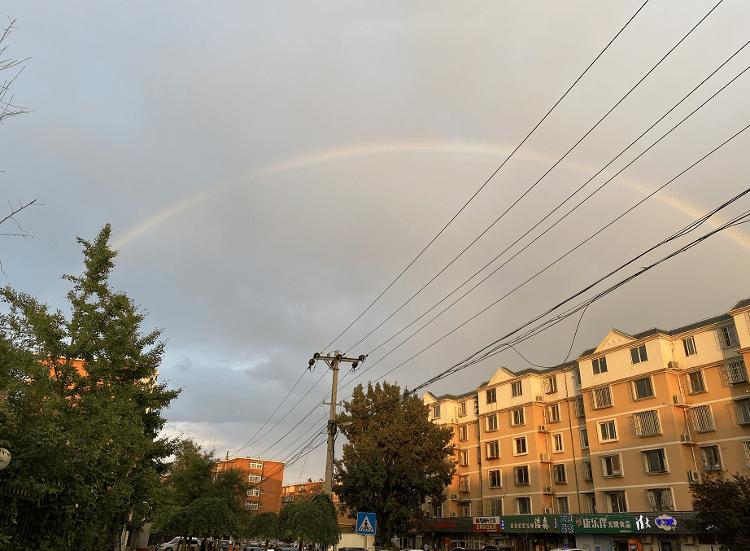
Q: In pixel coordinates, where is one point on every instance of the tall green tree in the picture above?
(195, 500)
(310, 521)
(394, 458)
(81, 412)
(722, 508)
(264, 526)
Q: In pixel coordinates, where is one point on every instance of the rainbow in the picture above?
(456, 148)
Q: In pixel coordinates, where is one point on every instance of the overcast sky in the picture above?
(268, 167)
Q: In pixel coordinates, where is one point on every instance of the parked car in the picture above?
(191, 544)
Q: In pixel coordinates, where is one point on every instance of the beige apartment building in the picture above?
(624, 428)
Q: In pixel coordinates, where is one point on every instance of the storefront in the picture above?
(596, 532)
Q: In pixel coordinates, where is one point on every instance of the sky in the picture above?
(269, 167)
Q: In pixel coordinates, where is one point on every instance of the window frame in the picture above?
(689, 347)
(608, 496)
(463, 433)
(588, 469)
(550, 384)
(638, 354)
(728, 336)
(599, 365)
(491, 393)
(556, 408)
(558, 501)
(595, 393)
(716, 466)
(657, 507)
(499, 475)
(696, 418)
(603, 459)
(487, 423)
(634, 387)
(513, 413)
(560, 468)
(584, 435)
(647, 465)
(640, 423)
(742, 418)
(601, 423)
(494, 443)
(522, 468)
(690, 381)
(516, 388)
(558, 437)
(516, 441)
(525, 499)
(463, 458)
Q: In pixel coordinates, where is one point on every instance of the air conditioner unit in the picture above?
(673, 364)
(694, 476)
(542, 428)
(454, 421)
(539, 398)
(453, 513)
(686, 439)
(548, 510)
(548, 489)
(544, 457)
(454, 496)
(678, 400)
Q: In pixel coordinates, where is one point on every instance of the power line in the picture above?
(487, 181)
(550, 169)
(579, 204)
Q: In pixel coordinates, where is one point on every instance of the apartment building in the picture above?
(265, 480)
(304, 491)
(622, 429)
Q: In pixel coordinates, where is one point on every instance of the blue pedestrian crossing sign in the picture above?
(367, 524)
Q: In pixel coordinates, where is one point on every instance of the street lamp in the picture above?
(4, 458)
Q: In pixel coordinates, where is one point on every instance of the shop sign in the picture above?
(486, 524)
(551, 524)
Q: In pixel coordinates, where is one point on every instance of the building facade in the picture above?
(623, 429)
(264, 479)
(303, 491)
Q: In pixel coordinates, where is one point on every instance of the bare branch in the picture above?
(16, 210)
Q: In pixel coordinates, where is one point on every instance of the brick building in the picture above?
(265, 479)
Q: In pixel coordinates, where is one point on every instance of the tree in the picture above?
(195, 500)
(310, 521)
(81, 412)
(264, 526)
(722, 508)
(394, 458)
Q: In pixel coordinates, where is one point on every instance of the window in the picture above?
(646, 423)
(655, 461)
(703, 420)
(580, 410)
(252, 505)
(584, 438)
(256, 465)
(437, 511)
(561, 476)
(517, 417)
(436, 411)
(493, 449)
(521, 475)
(611, 465)
(553, 413)
(616, 502)
(577, 376)
(711, 459)
(492, 422)
(557, 442)
(727, 336)
(463, 484)
(742, 407)
(660, 499)
(689, 344)
(491, 397)
(463, 457)
(253, 492)
(638, 354)
(642, 388)
(519, 445)
(697, 383)
(599, 365)
(607, 431)
(496, 479)
(466, 509)
(562, 505)
(746, 448)
(462, 409)
(496, 507)
(523, 505)
(550, 385)
(257, 477)
(516, 389)
(591, 502)
(736, 373)
(588, 472)
(463, 432)
(602, 396)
